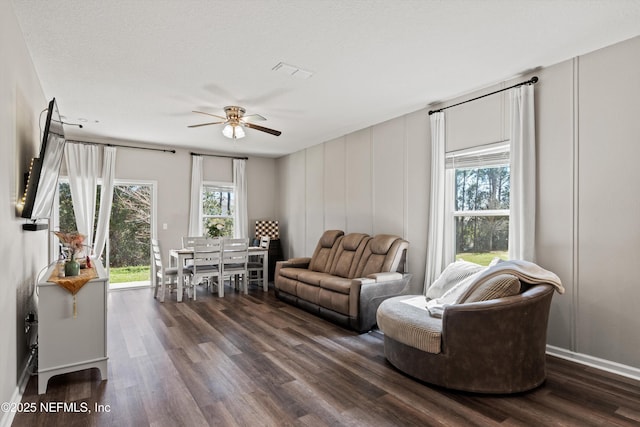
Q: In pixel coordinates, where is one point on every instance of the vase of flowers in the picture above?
(216, 227)
(73, 242)
(71, 268)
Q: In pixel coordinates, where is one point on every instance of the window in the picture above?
(218, 207)
(481, 192)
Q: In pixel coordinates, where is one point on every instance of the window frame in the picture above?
(223, 187)
(479, 157)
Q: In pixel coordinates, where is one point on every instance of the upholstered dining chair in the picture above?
(234, 260)
(163, 277)
(206, 265)
(255, 266)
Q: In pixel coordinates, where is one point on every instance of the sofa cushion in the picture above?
(383, 252)
(500, 286)
(351, 241)
(287, 285)
(381, 243)
(336, 284)
(348, 255)
(405, 319)
(308, 293)
(325, 250)
(451, 276)
(334, 301)
(312, 277)
(291, 273)
(374, 254)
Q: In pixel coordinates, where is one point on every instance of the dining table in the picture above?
(179, 257)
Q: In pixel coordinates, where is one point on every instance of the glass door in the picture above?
(130, 231)
(127, 254)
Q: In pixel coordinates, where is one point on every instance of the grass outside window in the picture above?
(482, 258)
(129, 274)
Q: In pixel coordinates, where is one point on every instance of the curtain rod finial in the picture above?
(534, 79)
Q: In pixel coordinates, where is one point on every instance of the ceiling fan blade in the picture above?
(209, 114)
(263, 129)
(254, 117)
(204, 124)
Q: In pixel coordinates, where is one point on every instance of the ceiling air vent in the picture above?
(292, 70)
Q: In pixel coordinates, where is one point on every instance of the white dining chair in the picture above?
(255, 266)
(234, 261)
(206, 265)
(189, 241)
(162, 277)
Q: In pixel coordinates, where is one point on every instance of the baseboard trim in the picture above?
(16, 397)
(595, 362)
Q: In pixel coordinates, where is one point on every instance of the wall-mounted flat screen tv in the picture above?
(42, 181)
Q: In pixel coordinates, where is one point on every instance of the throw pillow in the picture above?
(502, 285)
(451, 276)
(453, 296)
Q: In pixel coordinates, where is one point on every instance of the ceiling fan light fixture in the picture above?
(233, 131)
(235, 122)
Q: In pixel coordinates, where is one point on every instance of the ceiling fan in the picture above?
(236, 121)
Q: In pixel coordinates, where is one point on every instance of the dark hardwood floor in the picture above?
(254, 361)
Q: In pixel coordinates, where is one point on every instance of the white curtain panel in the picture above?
(195, 206)
(439, 253)
(522, 218)
(106, 200)
(241, 217)
(82, 166)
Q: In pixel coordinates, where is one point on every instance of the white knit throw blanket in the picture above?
(525, 271)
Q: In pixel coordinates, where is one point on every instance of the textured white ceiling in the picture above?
(139, 67)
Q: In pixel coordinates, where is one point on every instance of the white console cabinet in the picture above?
(68, 344)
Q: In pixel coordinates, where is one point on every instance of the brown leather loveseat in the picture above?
(347, 277)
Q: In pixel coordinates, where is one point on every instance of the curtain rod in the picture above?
(531, 81)
(219, 155)
(122, 146)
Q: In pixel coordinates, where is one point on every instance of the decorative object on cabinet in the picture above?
(73, 242)
(271, 229)
(267, 228)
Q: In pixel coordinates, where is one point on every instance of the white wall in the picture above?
(376, 180)
(22, 254)
(608, 205)
(371, 181)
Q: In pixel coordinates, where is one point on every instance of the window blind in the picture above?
(496, 154)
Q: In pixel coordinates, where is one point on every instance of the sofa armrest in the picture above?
(496, 338)
(302, 263)
(367, 294)
(496, 318)
(385, 276)
(293, 263)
